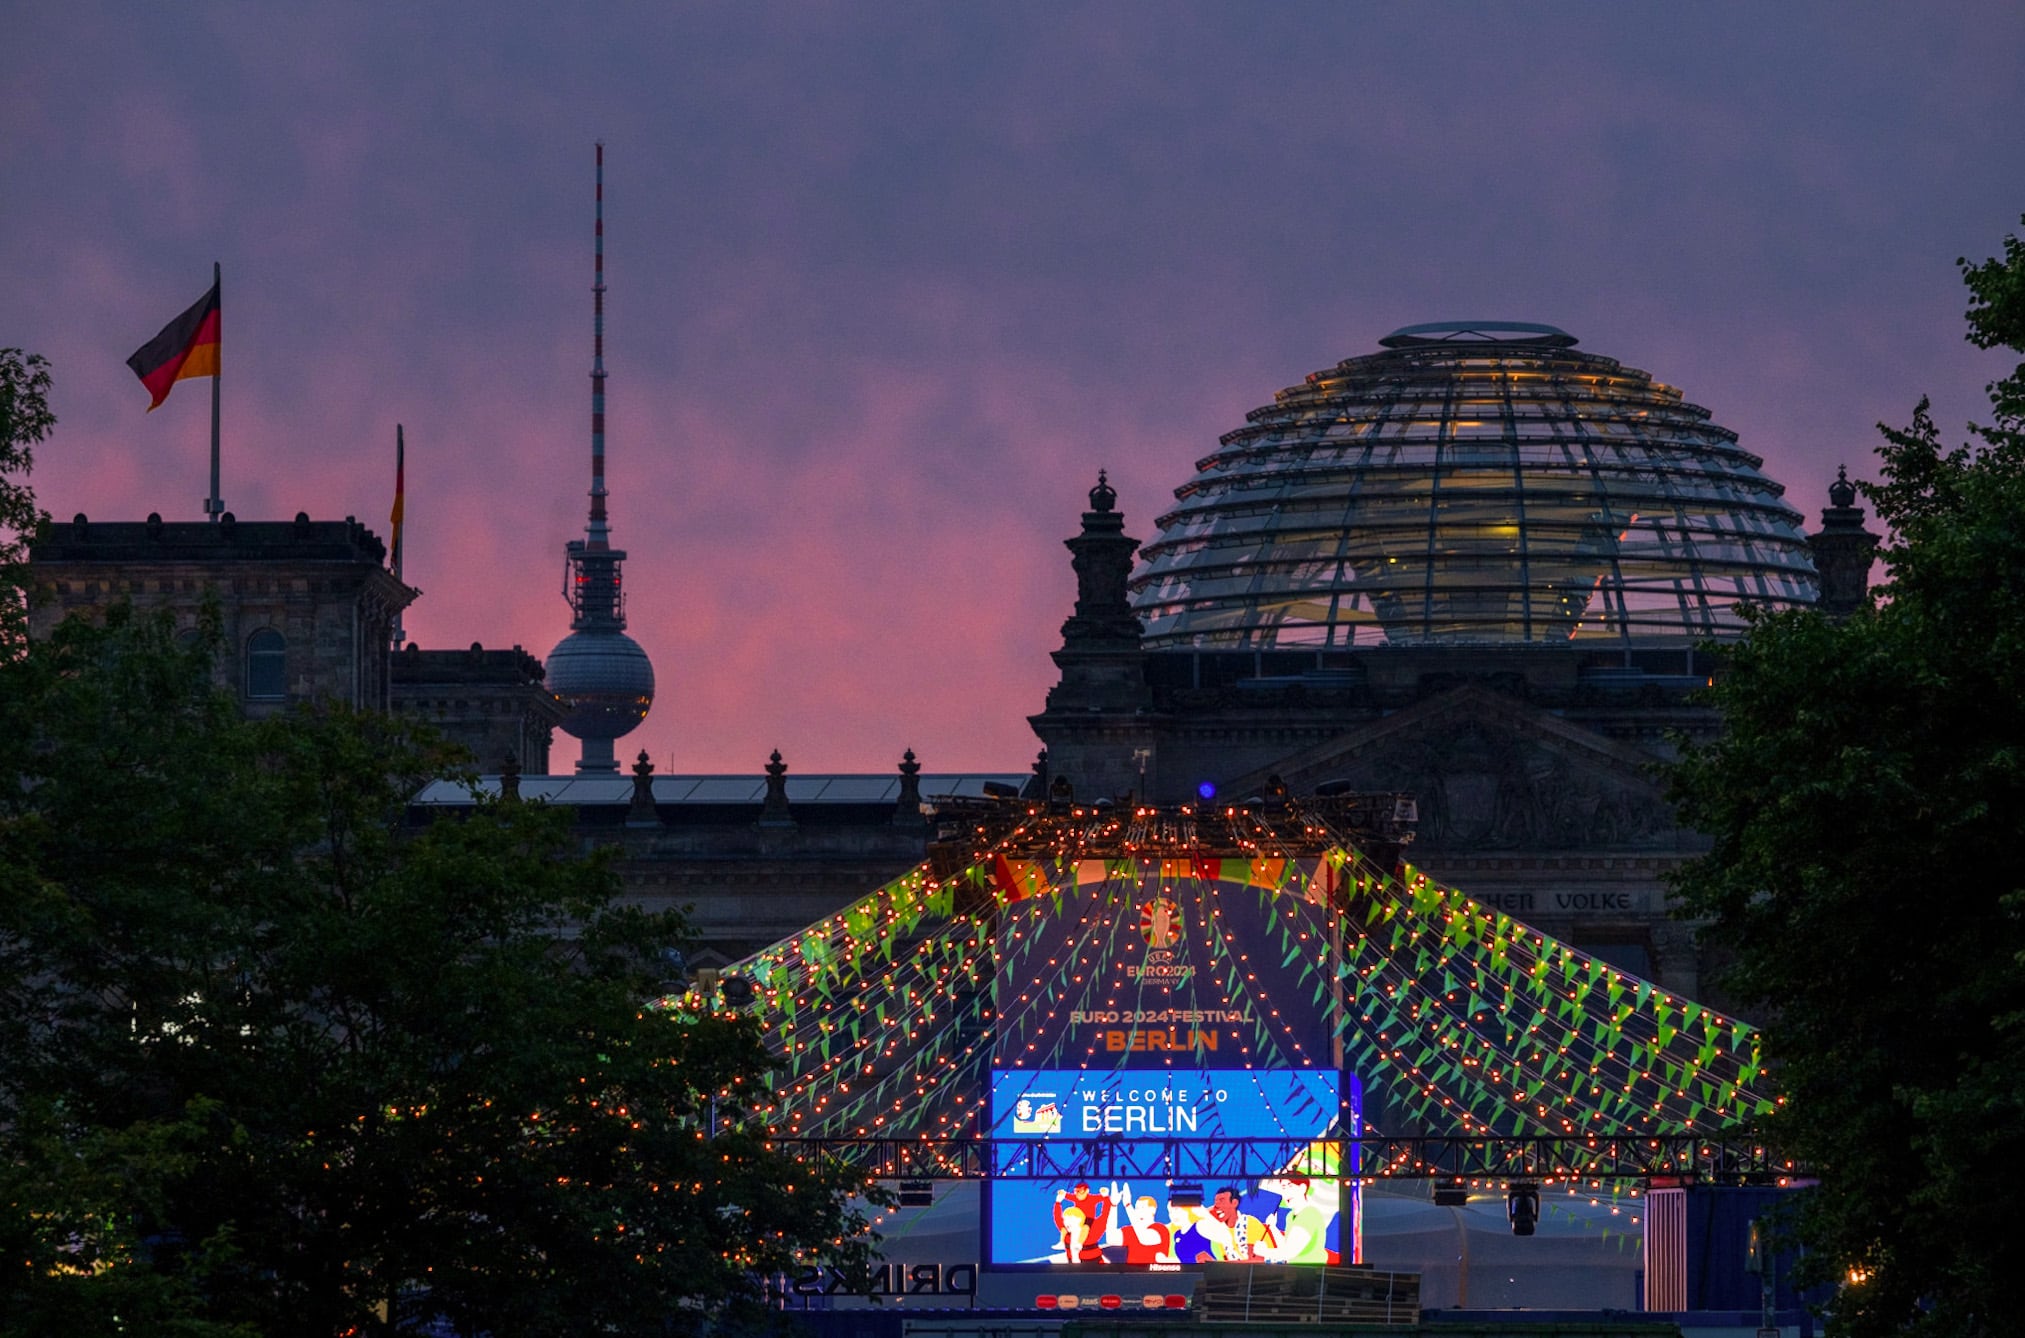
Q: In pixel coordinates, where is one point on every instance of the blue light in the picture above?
(1207, 790)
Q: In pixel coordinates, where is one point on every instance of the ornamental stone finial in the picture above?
(775, 812)
(907, 808)
(1843, 551)
(642, 813)
(1103, 497)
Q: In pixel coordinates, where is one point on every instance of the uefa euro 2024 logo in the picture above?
(1160, 924)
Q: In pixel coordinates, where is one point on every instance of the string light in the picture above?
(1455, 1014)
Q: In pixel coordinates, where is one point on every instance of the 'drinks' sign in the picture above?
(1164, 964)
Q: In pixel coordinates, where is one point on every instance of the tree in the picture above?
(1866, 878)
(275, 1059)
(25, 419)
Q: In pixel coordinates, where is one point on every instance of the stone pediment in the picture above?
(1490, 772)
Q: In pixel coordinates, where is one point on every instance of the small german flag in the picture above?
(186, 347)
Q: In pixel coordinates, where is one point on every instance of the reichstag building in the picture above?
(1479, 565)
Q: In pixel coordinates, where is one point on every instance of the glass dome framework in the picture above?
(1477, 482)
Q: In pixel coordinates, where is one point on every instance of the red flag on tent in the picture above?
(186, 347)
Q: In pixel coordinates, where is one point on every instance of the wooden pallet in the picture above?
(1292, 1294)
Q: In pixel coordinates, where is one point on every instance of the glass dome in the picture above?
(1475, 482)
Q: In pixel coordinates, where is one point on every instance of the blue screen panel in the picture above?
(1160, 1224)
(1212, 1103)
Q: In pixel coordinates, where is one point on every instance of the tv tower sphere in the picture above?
(605, 680)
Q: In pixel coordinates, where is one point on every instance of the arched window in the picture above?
(266, 665)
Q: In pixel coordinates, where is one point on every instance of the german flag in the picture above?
(400, 510)
(187, 346)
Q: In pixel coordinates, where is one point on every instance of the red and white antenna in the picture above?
(597, 533)
(592, 584)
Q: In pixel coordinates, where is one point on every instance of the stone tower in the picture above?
(1095, 724)
(1843, 551)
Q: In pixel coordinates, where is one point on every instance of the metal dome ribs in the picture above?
(1475, 482)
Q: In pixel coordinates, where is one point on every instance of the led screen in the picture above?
(1162, 1221)
(1166, 964)
(1164, 1062)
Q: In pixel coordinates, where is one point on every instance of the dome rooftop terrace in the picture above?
(1478, 332)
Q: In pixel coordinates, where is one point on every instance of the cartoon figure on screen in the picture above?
(1184, 1224)
(1075, 1231)
(1080, 1216)
(1141, 1239)
(1304, 1238)
(1235, 1236)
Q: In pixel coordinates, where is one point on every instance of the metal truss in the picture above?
(1421, 1157)
(1379, 823)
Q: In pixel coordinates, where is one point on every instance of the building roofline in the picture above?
(228, 540)
(729, 790)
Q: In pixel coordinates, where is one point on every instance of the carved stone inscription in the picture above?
(1487, 789)
(1524, 904)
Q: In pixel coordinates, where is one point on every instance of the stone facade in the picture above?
(1538, 769)
(751, 859)
(744, 887)
(307, 607)
(492, 702)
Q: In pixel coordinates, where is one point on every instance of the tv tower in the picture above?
(599, 674)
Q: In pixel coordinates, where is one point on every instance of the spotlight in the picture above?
(1451, 1195)
(1522, 1205)
(738, 991)
(917, 1193)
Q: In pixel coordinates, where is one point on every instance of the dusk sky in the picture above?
(889, 283)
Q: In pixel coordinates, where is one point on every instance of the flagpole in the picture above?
(214, 506)
(399, 517)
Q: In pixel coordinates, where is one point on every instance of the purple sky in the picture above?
(890, 282)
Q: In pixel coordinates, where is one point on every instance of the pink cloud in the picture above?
(885, 294)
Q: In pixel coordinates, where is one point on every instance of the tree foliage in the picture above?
(25, 419)
(274, 1059)
(1866, 878)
